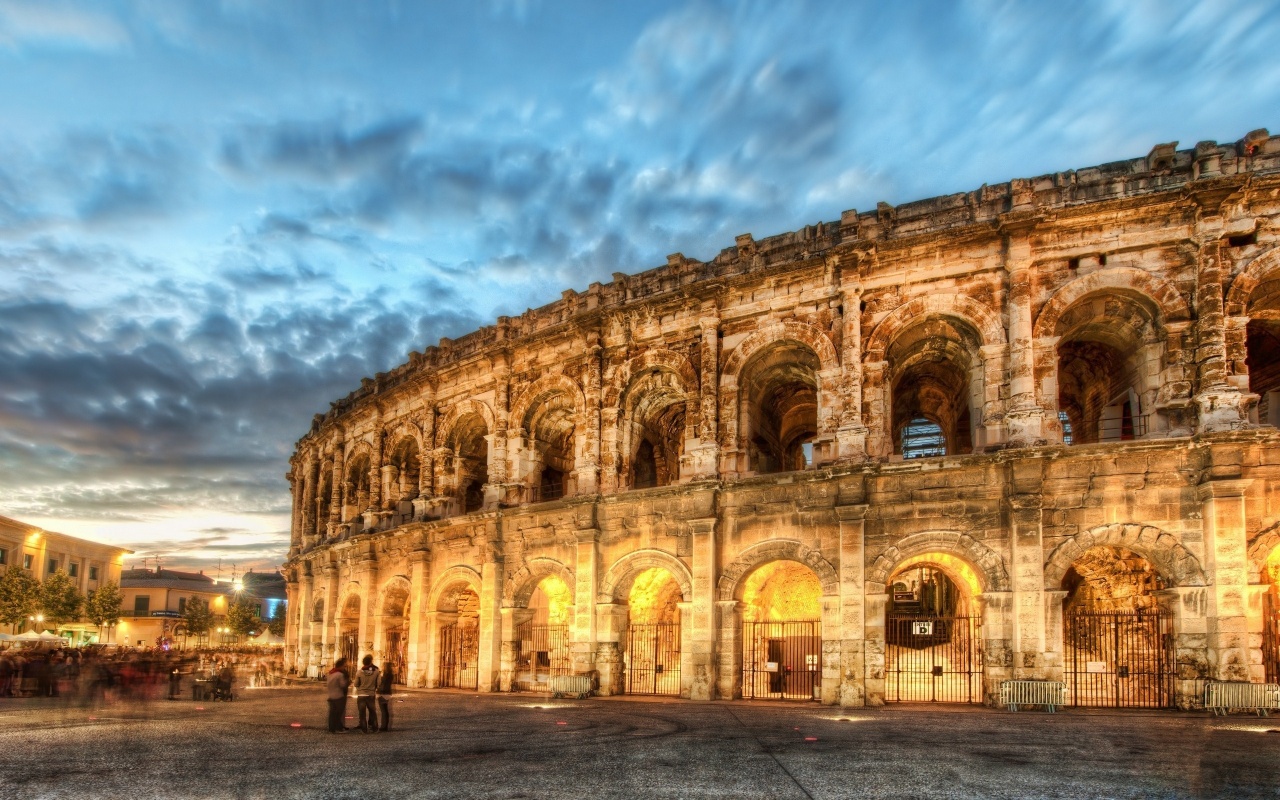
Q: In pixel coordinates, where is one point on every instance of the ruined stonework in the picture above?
(1059, 393)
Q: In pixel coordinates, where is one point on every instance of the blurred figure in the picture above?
(366, 684)
(384, 692)
(337, 684)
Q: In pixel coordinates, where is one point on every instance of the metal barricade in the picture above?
(579, 686)
(1223, 696)
(1049, 694)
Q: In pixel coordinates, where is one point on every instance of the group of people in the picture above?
(371, 685)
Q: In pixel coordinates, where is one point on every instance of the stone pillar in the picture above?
(375, 469)
(329, 625)
(510, 651)
(990, 431)
(586, 581)
(1054, 641)
(339, 489)
(727, 674)
(851, 676)
(1221, 406)
(587, 467)
(611, 631)
(298, 610)
(851, 435)
(875, 600)
(1189, 605)
(610, 456)
(703, 614)
(368, 571)
(700, 459)
(490, 622)
(1027, 540)
(419, 630)
(1227, 569)
(431, 645)
(686, 650)
(830, 662)
(997, 610)
(1024, 416)
(426, 471)
(876, 398)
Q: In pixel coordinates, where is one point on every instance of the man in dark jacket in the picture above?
(337, 683)
(366, 683)
(384, 693)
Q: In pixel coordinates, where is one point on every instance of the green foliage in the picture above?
(19, 596)
(276, 625)
(240, 617)
(104, 604)
(197, 617)
(60, 600)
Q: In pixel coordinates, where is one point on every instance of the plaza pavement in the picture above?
(463, 745)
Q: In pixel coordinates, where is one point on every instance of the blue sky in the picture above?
(215, 218)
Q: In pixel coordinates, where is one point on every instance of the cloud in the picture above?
(49, 23)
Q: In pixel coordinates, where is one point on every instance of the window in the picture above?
(141, 605)
(4, 556)
(182, 605)
(73, 569)
(1066, 427)
(27, 560)
(53, 566)
(922, 438)
(93, 573)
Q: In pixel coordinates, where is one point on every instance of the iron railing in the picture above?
(543, 655)
(782, 660)
(653, 658)
(1120, 659)
(933, 659)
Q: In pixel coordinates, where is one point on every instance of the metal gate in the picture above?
(1271, 634)
(931, 659)
(350, 650)
(395, 650)
(544, 653)
(653, 658)
(459, 654)
(781, 660)
(1120, 660)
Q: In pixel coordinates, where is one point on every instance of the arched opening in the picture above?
(935, 380)
(357, 491)
(1108, 366)
(1263, 360)
(349, 631)
(1117, 640)
(782, 632)
(406, 464)
(395, 628)
(652, 651)
(469, 443)
(933, 635)
(543, 636)
(1271, 617)
(652, 425)
(551, 427)
(459, 637)
(779, 389)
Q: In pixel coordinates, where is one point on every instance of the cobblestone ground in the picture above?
(446, 744)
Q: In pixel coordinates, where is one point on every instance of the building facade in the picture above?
(42, 553)
(1025, 431)
(154, 605)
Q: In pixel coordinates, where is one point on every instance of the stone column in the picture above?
(727, 674)
(329, 625)
(431, 642)
(375, 469)
(611, 630)
(686, 649)
(297, 607)
(1221, 406)
(852, 631)
(874, 601)
(610, 457)
(510, 651)
(876, 399)
(368, 572)
(1227, 569)
(997, 610)
(991, 429)
(339, 489)
(426, 472)
(1024, 415)
(830, 661)
(851, 436)
(490, 622)
(1054, 641)
(419, 630)
(588, 467)
(1190, 634)
(702, 619)
(701, 458)
(1027, 540)
(586, 582)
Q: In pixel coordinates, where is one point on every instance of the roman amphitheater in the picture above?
(1027, 431)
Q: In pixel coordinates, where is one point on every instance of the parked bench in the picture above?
(1221, 697)
(1050, 694)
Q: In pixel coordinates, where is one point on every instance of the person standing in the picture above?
(384, 693)
(337, 683)
(366, 683)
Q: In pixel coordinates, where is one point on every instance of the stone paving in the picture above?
(453, 744)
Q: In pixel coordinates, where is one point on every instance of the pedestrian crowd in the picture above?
(372, 687)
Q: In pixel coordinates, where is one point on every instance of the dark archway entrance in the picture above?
(933, 638)
(459, 665)
(782, 633)
(542, 637)
(653, 634)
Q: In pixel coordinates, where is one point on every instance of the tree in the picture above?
(19, 595)
(197, 617)
(60, 600)
(240, 617)
(103, 606)
(276, 625)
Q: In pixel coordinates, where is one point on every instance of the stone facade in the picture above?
(1096, 351)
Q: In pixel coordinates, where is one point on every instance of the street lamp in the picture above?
(36, 621)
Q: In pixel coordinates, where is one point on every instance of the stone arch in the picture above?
(1260, 548)
(1171, 559)
(541, 389)
(459, 411)
(768, 335)
(982, 319)
(521, 584)
(459, 573)
(352, 589)
(356, 449)
(1258, 270)
(618, 579)
(618, 379)
(987, 564)
(731, 579)
(1168, 302)
(401, 431)
(393, 584)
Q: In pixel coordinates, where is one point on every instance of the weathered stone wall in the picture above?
(711, 417)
